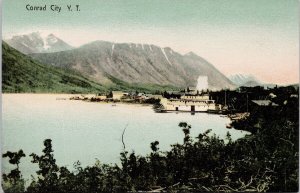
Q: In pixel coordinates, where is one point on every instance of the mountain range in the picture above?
(109, 64)
(37, 42)
(136, 63)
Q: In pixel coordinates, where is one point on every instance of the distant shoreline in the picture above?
(68, 96)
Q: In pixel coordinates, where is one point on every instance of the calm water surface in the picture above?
(85, 131)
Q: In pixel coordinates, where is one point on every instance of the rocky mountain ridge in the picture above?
(137, 63)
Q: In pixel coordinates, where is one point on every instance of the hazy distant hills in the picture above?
(245, 80)
(248, 80)
(136, 63)
(37, 43)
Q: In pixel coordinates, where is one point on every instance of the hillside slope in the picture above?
(20, 73)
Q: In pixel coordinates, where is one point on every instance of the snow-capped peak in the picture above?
(37, 42)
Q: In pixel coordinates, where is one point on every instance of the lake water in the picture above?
(85, 131)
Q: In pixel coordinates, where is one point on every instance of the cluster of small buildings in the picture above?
(117, 96)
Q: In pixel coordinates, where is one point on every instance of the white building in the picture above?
(190, 103)
(117, 95)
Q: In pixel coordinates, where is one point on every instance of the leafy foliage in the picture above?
(48, 170)
(13, 182)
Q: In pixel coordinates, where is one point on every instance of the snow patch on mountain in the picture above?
(163, 51)
(24, 44)
(112, 50)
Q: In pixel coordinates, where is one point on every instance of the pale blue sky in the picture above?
(237, 36)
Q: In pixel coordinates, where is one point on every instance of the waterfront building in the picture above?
(190, 103)
(117, 95)
(101, 97)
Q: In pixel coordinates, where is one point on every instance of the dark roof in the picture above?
(264, 103)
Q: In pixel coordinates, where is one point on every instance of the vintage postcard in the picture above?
(150, 96)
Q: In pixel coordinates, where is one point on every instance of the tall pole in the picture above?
(225, 98)
(247, 102)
